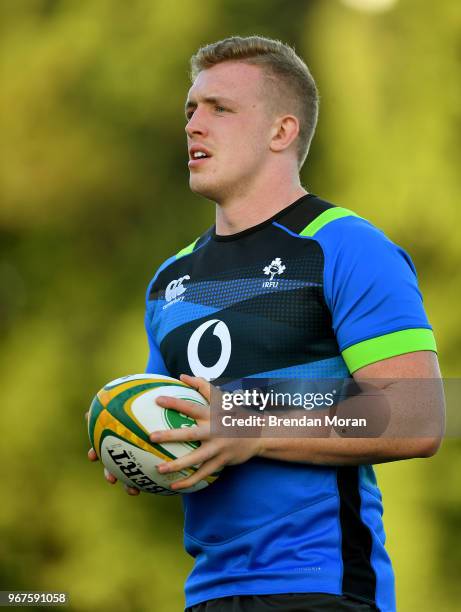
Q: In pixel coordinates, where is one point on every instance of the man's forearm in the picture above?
(346, 451)
(404, 420)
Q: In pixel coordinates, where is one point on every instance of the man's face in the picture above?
(229, 122)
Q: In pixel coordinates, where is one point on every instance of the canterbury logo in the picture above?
(175, 288)
(222, 332)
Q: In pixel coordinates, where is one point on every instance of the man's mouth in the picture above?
(197, 155)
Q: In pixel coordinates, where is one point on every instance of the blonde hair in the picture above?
(293, 87)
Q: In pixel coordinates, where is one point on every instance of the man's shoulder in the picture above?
(168, 265)
(344, 236)
(319, 219)
(195, 244)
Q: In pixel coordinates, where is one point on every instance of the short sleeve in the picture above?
(372, 292)
(155, 362)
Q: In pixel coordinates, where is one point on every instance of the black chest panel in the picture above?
(250, 305)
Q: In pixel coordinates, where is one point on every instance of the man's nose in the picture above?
(196, 124)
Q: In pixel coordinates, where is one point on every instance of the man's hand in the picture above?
(213, 453)
(111, 479)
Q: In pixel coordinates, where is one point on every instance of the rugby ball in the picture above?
(121, 417)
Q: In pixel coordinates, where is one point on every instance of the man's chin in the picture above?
(204, 188)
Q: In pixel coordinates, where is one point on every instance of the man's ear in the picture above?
(284, 132)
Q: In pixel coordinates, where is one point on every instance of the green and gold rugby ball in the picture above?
(121, 417)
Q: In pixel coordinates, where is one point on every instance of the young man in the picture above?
(291, 523)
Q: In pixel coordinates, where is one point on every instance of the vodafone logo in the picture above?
(222, 332)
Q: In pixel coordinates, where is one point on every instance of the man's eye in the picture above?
(220, 109)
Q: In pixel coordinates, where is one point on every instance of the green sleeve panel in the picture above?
(186, 250)
(397, 343)
(326, 217)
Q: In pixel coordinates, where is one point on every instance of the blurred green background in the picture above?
(94, 197)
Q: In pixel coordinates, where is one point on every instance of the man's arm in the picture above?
(410, 416)
(407, 413)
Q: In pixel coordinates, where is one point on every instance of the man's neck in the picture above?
(245, 211)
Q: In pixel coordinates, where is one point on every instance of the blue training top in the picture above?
(314, 292)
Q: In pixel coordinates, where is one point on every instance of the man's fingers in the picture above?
(186, 434)
(92, 456)
(200, 384)
(112, 480)
(206, 469)
(196, 457)
(109, 477)
(190, 409)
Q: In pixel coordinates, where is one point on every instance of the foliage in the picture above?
(94, 198)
